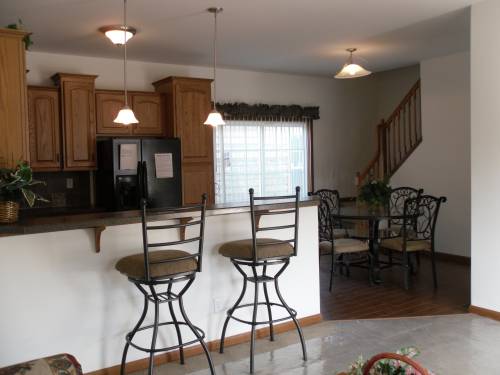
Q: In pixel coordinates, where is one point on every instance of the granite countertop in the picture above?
(60, 220)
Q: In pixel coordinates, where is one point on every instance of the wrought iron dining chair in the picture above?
(340, 248)
(417, 233)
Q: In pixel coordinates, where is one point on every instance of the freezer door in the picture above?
(162, 168)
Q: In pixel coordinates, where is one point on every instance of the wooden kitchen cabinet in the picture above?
(13, 99)
(147, 107)
(108, 104)
(44, 128)
(78, 120)
(188, 102)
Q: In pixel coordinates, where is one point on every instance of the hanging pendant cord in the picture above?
(215, 59)
(125, 51)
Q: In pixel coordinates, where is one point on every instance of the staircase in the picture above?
(397, 137)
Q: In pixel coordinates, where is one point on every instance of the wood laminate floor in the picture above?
(355, 298)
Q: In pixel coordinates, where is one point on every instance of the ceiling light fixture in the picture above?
(350, 69)
(117, 35)
(214, 117)
(126, 115)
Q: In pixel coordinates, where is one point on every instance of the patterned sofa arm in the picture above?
(60, 364)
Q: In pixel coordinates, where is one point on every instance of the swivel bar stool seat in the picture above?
(155, 273)
(258, 254)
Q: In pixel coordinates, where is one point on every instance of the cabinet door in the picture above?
(148, 110)
(108, 104)
(192, 105)
(44, 129)
(13, 99)
(79, 125)
(197, 178)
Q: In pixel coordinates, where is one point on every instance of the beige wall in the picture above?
(441, 164)
(485, 155)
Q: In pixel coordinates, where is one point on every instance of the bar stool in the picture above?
(154, 273)
(263, 252)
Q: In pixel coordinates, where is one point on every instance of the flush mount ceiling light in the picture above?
(215, 118)
(350, 69)
(118, 34)
(126, 115)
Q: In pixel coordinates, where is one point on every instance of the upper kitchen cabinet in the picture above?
(188, 105)
(147, 107)
(78, 120)
(13, 99)
(44, 128)
(148, 110)
(108, 103)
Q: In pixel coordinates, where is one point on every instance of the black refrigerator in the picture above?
(131, 169)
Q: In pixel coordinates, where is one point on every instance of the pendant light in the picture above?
(116, 33)
(126, 115)
(350, 69)
(214, 117)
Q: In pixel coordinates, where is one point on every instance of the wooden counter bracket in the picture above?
(97, 233)
(183, 221)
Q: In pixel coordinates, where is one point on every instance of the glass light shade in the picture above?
(352, 71)
(215, 119)
(118, 36)
(126, 117)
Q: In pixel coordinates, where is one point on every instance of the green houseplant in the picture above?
(15, 186)
(375, 193)
(19, 26)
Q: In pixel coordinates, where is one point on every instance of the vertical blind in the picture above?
(269, 156)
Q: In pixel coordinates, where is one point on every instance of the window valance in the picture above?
(243, 111)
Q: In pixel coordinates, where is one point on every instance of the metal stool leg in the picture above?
(254, 319)
(155, 333)
(231, 310)
(278, 293)
(269, 312)
(177, 329)
(190, 325)
(131, 335)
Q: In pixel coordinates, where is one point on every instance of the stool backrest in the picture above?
(185, 216)
(255, 218)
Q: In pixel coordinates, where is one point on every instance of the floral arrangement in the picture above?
(19, 26)
(15, 184)
(387, 366)
(375, 193)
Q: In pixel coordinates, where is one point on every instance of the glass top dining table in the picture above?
(373, 217)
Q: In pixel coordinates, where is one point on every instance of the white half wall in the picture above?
(59, 296)
(342, 136)
(485, 154)
(441, 164)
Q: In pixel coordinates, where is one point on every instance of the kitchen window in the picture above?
(270, 156)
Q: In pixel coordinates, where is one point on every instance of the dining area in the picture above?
(381, 246)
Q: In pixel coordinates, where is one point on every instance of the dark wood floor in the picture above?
(355, 298)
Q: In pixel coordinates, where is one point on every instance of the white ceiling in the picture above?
(293, 36)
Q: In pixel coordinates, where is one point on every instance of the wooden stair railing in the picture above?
(397, 138)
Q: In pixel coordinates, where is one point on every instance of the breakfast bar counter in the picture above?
(86, 306)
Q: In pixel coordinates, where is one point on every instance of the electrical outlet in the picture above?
(69, 183)
(218, 304)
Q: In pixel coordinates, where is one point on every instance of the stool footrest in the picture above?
(168, 348)
(261, 279)
(231, 311)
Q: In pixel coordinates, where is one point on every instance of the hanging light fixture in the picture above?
(214, 117)
(126, 115)
(350, 69)
(117, 35)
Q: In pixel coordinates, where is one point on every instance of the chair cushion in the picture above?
(242, 249)
(133, 265)
(343, 245)
(396, 243)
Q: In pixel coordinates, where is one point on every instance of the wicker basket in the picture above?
(9, 212)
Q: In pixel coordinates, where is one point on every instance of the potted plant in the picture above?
(19, 26)
(375, 193)
(15, 186)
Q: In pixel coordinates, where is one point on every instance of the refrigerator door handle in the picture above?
(139, 183)
(145, 179)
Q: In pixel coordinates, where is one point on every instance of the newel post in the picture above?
(383, 147)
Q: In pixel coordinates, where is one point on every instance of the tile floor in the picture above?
(462, 344)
